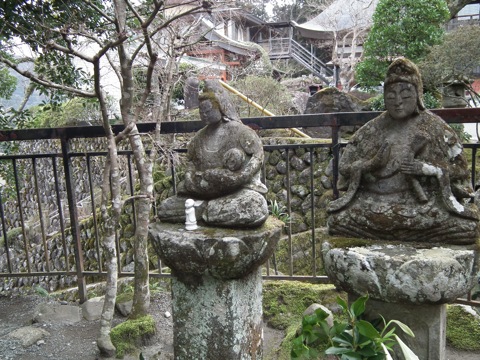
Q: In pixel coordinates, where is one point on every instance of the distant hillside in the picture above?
(19, 94)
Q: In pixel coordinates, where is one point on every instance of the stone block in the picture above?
(428, 323)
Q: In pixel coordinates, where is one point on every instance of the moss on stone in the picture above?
(131, 334)
(463, 329)
(12, 236)
(285, 301)
(124, 297)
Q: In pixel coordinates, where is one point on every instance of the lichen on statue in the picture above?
(404, 173)
(224, 161)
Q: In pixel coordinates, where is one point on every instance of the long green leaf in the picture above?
(335, 350)
(342, 341)
(404, 327)
(386, 352)
(407, 352)
(351, 356)
(365, 328)
(342, 303)
(358, 306)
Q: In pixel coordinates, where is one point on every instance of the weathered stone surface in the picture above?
(401, 273)
(405, 176)
(237, 211)
(190, 93)
(56, 313)
(312, 308)
(428, 323)
(219, 252)
(124, 307)
(218, 319)
(29, 335)
(223, 158)
(454, 95)
(92, 308)
(330, 100)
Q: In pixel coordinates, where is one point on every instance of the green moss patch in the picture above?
(131, 334)
(463, 329)
(285, 301)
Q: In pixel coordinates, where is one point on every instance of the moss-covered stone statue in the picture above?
(223, 167)
(404, 173)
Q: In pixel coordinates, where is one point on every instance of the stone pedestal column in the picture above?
(218, 319)
(428, 323)
(216, 288)
(406, 282)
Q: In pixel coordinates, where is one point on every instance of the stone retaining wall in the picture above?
(275, 174)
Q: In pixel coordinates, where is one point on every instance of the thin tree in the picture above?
(121, 35)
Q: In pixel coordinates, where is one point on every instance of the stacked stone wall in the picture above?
(276, 180)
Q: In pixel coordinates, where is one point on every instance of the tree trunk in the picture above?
(111, 217)
(454, 6)
(141, 299)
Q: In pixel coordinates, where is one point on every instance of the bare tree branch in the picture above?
(97, 9)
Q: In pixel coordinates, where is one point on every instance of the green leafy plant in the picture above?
(278, 211)
(353, 339)
(41, 291)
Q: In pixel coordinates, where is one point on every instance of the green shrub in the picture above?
(354, 338)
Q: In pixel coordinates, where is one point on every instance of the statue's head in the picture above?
(403, 71)
(215, 104)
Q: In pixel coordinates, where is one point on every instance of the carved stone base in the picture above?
(428, 323)
(406, 282)
(219, 252)
(216, 287)
(400, 273)
(218, 319)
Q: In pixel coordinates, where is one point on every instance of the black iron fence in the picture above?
(57, 241)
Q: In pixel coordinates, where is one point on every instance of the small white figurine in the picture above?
(190, 219)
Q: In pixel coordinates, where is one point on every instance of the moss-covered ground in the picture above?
(284, 303)
(463, 329)
(129, 335)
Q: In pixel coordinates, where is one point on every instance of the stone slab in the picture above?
(29, 335)
(401, 273)
(57, 313)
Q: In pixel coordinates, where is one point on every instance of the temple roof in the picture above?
(339, 16)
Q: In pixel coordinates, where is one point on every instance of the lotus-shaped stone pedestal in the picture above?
(216, 287)
(418, 279)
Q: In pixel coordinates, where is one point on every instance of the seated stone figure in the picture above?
(223, 167)
(404, 173)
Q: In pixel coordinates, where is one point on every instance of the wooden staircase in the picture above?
(285, 48)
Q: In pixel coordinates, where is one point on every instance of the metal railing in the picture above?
(64, 165)
(287, 47)
(310, 61)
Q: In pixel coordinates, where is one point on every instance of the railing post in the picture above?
(74, 225)
(336, 156)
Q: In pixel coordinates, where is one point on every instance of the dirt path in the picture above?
(78, 340)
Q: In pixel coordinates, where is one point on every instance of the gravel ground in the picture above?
(77, 341)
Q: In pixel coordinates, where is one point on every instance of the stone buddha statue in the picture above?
(404, 174)
(223, 167)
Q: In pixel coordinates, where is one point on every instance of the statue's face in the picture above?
(400, 100)
(209, 113)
